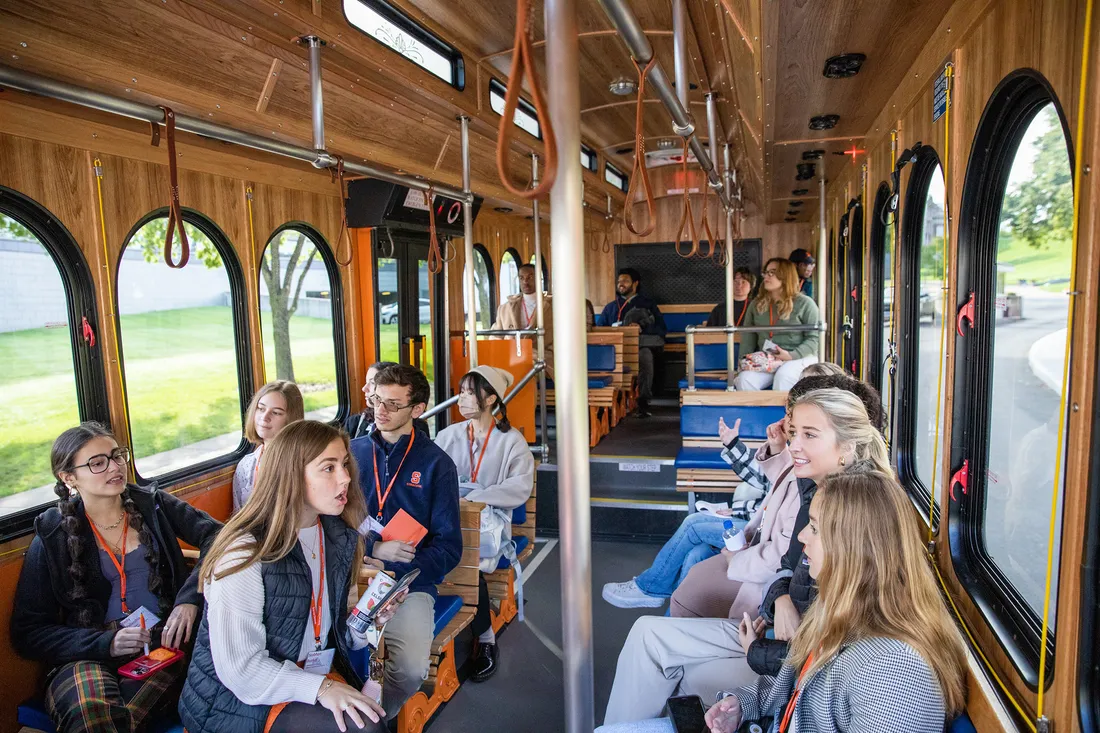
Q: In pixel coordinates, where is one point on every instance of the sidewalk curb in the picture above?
(1046, 359)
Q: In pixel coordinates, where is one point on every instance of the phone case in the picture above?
(154, 661)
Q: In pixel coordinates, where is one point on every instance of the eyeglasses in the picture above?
(773, 273)
(99, 464)
(375, 401)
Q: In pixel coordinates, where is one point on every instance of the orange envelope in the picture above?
(404, 528)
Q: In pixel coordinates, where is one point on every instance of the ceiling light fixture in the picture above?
(824, 122)
(844, 66)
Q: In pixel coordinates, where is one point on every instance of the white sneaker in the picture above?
(629, 595)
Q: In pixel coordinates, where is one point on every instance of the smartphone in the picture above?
(687, 714)
(154, 661)
(402, 584)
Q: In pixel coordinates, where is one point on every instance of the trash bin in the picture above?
(1014, 306)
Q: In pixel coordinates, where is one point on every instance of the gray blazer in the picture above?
(875, 685)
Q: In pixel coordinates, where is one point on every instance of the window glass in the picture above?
(930, 313)
(588, 158)
(483, 288)
(509, 275)
(888, 314)
(296, 312)
(180, 353)
(379, 20)
(1029, 339)
(524, 116)
(38, 392)
(614, 176)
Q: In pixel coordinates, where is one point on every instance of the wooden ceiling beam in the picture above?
(269, 85)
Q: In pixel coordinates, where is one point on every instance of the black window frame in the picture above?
(908, 321)
(610, 170)
(839, 305)
(336, 296)
(515, 257)
(1088, 691)
(80, 303)
(594, 165)
(396, 16)
(238, 293)
(500, 88)
(481, 249)
(854, 241)
(1008, 114)
(876, 295)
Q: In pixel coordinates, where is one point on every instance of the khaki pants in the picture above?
(664, 657)
(408, 637)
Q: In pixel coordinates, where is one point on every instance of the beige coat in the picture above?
(510, 316)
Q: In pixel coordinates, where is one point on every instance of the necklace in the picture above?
(118, 521)
(120, 551)
(312, 549)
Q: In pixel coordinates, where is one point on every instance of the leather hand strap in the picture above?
(175, 212)
(639, 170)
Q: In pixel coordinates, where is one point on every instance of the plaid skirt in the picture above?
(93, 697)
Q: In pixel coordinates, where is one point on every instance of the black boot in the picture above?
(485, 662)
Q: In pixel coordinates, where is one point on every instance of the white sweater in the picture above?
(507, 473)
(238, 640)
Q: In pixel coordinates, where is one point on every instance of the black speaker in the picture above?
(374, 203)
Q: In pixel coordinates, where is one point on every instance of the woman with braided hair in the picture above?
(106, 551)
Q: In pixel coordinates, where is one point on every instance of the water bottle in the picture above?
(733, 539)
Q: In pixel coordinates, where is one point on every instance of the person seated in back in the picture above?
(521, 312)
(631, 307)
(805, 264)
(743, 283)
(495, 467)
(359, 424)
(700, 535)
(408, 473)
(273, 406)
(779, 357)
(106, 555)
(271, 653)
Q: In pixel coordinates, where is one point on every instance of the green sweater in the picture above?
(800, 345)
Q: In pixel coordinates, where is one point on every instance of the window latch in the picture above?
(962, 478)
(967, 312)
(89, 334)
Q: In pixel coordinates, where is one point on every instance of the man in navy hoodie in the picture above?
(631, 307)
(402, 468)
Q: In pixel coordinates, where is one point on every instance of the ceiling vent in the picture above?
(813, 155)
(824, 122)
(796, 204)
(790, 218)
(800, 192)
(805, 171)
(502, 209)
(623, 87)
(844, 66)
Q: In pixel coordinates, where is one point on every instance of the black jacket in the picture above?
(43, 622)
(765, 656)
(617, 310)
(208, 706)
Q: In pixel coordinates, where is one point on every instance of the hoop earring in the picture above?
(842, 464)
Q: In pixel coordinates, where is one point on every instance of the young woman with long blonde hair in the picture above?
(272, 407)
(779, 303)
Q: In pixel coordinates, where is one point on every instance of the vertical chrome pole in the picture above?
(316, 102)
(822, 288)
(446, 333)
(540, 309)
(571, 366)
(690, 348)
(679, 52)
(470, 297)
(712, 127)
(731, 349)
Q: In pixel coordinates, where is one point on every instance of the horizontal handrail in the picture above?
(439, 407)
(509, 332)
(730, 331)
(445, 404)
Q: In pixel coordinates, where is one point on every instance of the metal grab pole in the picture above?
(540, 309)
(731, 348)
(470, 296)
(822, 262)
(679, 51)
(712, 128)
(571, 366)
(318, 106)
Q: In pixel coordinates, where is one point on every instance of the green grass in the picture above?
(1030, 264)
(181, 376)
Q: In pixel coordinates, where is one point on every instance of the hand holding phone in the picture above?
(687, 714)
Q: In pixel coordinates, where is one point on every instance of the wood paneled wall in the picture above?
(987, 40)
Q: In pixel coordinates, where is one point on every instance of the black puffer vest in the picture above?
(208, 706)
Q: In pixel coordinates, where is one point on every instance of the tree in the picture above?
(151, 238)
(283, 292)
(11, 229)
(1039, 209)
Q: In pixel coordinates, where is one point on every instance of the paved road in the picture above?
(1022, 445)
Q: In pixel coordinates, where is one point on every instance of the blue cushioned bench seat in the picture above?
(446, 608)
(707, 458)
(32, 714)
(704, 383)
(961, 724)
(678, 322)
(601, 358)
(600, 382)
(521, 545)
(701, 421)
(519, 515)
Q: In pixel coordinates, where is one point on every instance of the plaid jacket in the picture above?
(742, 460)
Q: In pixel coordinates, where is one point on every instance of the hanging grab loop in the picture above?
(175, 213)
(523, 63)
(435, 257)
(687, 218)
(345, 235)
(705, 226)
(639, 170)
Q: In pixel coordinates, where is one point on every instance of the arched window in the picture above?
(484, 288)
(509, 274)
(545, 273)
(920, 464)
(301, 315)
(852, 296)
(49, 346)
(1015, 262)
(185, 350)
(880, 294)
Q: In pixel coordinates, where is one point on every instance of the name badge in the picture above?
(134, 619)
(320, 662)
(370, 524)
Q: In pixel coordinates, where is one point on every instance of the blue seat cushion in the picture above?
(678, 322)
(599, 382)
(701, 458)
(673, 339)
(601, 358)
(961, 724)
(701, 421)
(705, 383)
(521, 545)
(32, 714)
(519, 514)
(445, 609)
(711, 357)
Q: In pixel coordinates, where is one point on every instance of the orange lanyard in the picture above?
(621, 309)
(771, 317)
(527, 316)
(794, 698)
(389, 487)
(317, 599)
(741, 317)
(256, 468)
(119, 566)
(475, 470)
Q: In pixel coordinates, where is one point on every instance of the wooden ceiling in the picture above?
(764, 59)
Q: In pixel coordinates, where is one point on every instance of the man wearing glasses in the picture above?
(401, 468)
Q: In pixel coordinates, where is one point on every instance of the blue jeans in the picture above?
(698, 538)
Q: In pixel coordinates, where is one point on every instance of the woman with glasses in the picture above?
(271, 409)
(779, 303)
(107, 555)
